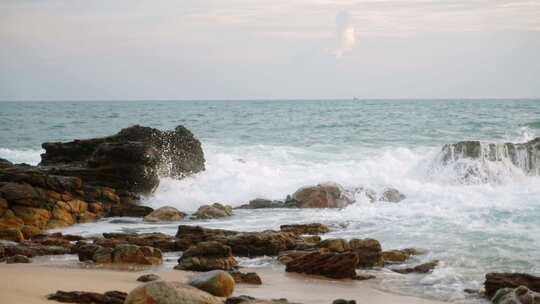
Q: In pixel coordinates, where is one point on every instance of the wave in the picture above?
(28, 156)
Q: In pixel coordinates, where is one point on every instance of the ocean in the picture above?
(269, 149)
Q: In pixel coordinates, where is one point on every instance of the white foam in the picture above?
(28, 156)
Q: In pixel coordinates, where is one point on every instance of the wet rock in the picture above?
(261, 203)
(335, 245)
(165, 214)
(320, 196)
(363, 277)
(243, 299)
(191, 235)
(11, 234)
(495, 281)
(213, 211)
(329, 264)
(287, 256)
(85, 297)
(398, 256)
(16, 259)
(30, 231)
(422, 268)
(342, 301)
(314, 228)
(130, 210)
(163, 292)
(148, 278)
(369, 252)
(158, 240)
(217, 282)
(133, 254)
(206, 256)
(392, 195)
(246, 278)
(519, 295)
(30, 249)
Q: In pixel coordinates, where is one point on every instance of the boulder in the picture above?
(206, 256)
(261, 203)
(85, 297)
(392, 195)
(133, 254)
(329, 264)
(217, 282)
(131, 210)
(285, 257)
(148, 278)
(164, 292)
(213, 211)
(519, 295)
(18, 259)
(335, 245)
(369, 252)
(313, 228)
(11, 234)
(399, 256)
(495, 281)
(245, 278)
(422, 268)
(320, 196)
(165, 214)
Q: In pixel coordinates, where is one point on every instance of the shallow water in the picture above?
(270, 149)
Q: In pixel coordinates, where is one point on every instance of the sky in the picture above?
(268, 49)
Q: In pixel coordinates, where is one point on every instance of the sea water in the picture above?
(269, 149)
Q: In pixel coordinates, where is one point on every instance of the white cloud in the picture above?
(345, 34)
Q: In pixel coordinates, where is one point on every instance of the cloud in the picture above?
(345, 35)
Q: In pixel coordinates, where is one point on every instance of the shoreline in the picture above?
(30, 284)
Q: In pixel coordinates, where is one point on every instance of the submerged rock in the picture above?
(398, 256)
(243, 299)
(164, 292)
(422, 268)
(328, 264)
(206, 256)
(261, 203)
(165, 214)
(85, 297)
(519, 295)
(217, 282)
(392, 195)
(320, 196)
(148, 278)
(313, 228)
(215, 210)
(495, 281)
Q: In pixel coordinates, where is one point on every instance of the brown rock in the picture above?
(165, 214)
(398, 256)
(321, 196)
(207, 256)
(11, 234)
(18, 259)
(329, 264)
(335, 245)
(162, 292)
(10, 221)
(215, 210)
(3, 206)
(85, 297)
(30, 231)
(32, 216)
(246, 278)
(148, 278)
(422, 268)
(133, 254)
(217, 282)
(495, 281)
(314, 228)
(60, 213)
(369, 252)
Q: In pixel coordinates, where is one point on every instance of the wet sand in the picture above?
(30, 283)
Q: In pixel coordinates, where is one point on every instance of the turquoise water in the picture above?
(271, 148)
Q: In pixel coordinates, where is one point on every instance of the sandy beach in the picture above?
(29, 284)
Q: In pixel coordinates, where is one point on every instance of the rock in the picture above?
(289, 255)
(103, 255)
(364, 277)
(206, 256)
(30, 231)
(85, 297)
(495, 281)
(157, 240)
(162, 292)
(314, 228)
(148, 278)
(130, 210)
(422, 268)
(133, 254)
(85, 251)
(129, 160)
(392, 195)
(320, 196)
(32, 216)
(261, 203)
(335, 245)
(369, 252)
(519, 295)
(329, 264)
(217, 282)
(213, 211)
(243, 299)
(342, 301)
(398, 256)
(18, 259)
(11, 234)
(165, 214)
(30, 249)
(246, 278)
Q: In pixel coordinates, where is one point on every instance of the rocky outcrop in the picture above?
(369, 252)
(206, 256)
(85, 297)
(120, 254)
(169, 292)
(217, 282)
(84, 180)
(158, 240)
(245, 278)
(328, 264)
(519, 295)
(213, 211)
(495, 281)
(313, 228)
(422, 268)
(165, 214)
(320, 196)
(398, 256)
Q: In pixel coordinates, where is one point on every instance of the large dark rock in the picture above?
(85, 297)
(495, 281)
(206, 256)
(129, 160)
(519, 295)
(320, 196)
(329, 264)
(369, 252)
